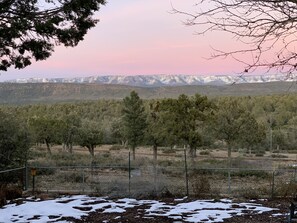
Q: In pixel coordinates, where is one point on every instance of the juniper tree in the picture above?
(30, 29)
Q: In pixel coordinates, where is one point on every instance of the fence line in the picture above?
(145, 180)
(12, 170)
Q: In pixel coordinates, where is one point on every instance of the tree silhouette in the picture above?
(30, 29)
(267, 27)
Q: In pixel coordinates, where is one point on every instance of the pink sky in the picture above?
(136, 37)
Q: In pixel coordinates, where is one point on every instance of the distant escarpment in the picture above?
(25, 93)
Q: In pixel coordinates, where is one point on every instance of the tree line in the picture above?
(193, 122)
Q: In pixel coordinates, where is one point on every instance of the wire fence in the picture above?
(140, 181)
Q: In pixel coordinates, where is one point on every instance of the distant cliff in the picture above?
(165, 80)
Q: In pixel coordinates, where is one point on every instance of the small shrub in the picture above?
(249, 193)
(260, 153)
(279, 156)
(201, 186)
(165, 193)
(165, 163)
(251, 173)
(169, 151)
(13, 191)
(204, 153)
(286, 189)
(9, 192)
(74, 177)
(106, 155)
(116, 147)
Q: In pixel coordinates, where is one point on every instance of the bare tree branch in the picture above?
(267, 27)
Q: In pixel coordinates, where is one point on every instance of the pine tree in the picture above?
(134, 120)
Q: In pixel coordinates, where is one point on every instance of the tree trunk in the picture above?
(229, 169)
(69, 143)
(69, 148)
(133, 153)
(192, 152)
(155, 150)
(48, 147)
(229, 152)
(91, 150)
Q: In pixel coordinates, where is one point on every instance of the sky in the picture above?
(136, 37)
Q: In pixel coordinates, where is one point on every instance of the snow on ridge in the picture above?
(164, 80)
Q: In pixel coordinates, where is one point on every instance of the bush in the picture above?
(204, 153)
(279, 156)
(249, 193)
(201, 186)
(73, 177)
(169, 151)
(116, 147)
(286, 189)
(251, 173)
(9, 192)
(260, 153)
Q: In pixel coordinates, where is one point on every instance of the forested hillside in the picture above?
(13, 93)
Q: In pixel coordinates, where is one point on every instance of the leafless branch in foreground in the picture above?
(267, 27)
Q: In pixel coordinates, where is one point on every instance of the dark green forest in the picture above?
(256, 124)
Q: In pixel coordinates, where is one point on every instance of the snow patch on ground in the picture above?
(33, 210)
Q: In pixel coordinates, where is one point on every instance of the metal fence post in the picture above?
(186, 171)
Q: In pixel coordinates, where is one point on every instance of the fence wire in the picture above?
(136, 180)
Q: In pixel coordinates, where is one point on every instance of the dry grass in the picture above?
(107, 173)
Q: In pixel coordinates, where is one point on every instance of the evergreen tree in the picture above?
(90, 135)
(14, 142)
(30, 29)
(156, 131)
(134, 120)
(235, 125)
(46, 130)
(186, 116)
